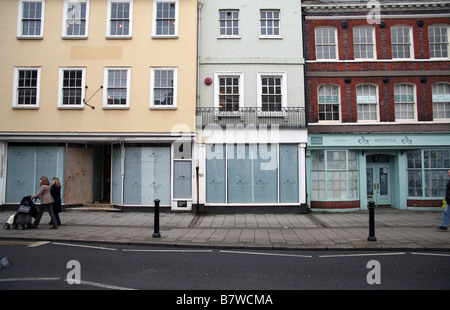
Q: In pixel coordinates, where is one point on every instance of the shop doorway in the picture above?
(379, 185)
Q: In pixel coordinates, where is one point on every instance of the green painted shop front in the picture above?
(403, 171)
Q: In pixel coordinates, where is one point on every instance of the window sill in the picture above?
(30, 37)
(229, 37)
(74, 37)
(163, 108)
(70, 107)
(165, 36)
(116, 107)
(25, 108)
(119, 37)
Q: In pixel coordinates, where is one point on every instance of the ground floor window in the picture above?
(26, 164)
(146, 175)
(334, 175)
(427, 173)
(252, 173)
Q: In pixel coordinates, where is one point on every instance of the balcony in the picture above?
(283, 117)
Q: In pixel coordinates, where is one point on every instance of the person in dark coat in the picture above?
(55, 191)
(446, 219)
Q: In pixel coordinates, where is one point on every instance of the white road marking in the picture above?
(368, 254)
(28, 279)
(267, 254)
(430, 254)
(39, 243)
(85, 246)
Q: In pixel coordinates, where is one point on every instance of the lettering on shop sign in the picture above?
(387, 140)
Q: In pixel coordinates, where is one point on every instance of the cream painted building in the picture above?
(102, 95)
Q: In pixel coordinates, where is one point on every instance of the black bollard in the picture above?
(371, 221)
(156, 233)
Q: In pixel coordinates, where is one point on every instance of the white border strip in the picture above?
(262, 254)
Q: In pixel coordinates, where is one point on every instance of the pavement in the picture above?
(394, 230)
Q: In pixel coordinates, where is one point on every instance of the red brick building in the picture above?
(378, 103)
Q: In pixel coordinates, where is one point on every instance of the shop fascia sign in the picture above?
(378, 140)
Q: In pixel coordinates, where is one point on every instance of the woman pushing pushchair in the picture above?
(46, 202)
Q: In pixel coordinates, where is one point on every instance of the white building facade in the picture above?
(251, 127)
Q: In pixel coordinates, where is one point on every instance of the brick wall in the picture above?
(335, 204)
(424, 203)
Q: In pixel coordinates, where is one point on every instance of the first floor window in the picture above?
(367, 102)
(26, 87)
(363, 42)
(71, 87)
(328, 103)
(164, 85)
(404, 102)
(334, 175)
(427, 173)
(229, 93)
(441, 101)
(272, 93)
(117, 88)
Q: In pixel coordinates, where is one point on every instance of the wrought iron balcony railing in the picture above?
(283, 117)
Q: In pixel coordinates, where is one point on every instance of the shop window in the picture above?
(334, 175)
(252, 173)
(427, 173)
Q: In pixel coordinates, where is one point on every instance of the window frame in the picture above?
(410, 44)
(155, 35)
(414, 103)
(373, 44)
(284, 103)
(338, 103)
(15, 104)
(174, 87)
(376, 104)
(107, 106)
(65, 18)
(444, 102)
(217, 77)
(448, 40)
(61, 88)
(20, 20)
(108, 20)
(229, 36)
(336, 48)
(273, 20)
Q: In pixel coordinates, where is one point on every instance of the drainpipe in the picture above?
(196, 160)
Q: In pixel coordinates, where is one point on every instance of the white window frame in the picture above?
(448, 40)
(152, 87)
(376, 104)
(108, 21)
(229, 36)
(336, 48)
(270, 36)
(332, 103)
(106, 86)
(217, 76)
(65, 17)
(372, 30)
(20, 18)
(434, 101)
(15, 104)
(284, 102)
(155, 35)
(414, 104)
(411, 42)
(61, 86)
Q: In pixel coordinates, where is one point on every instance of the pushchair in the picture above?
(26, 212)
